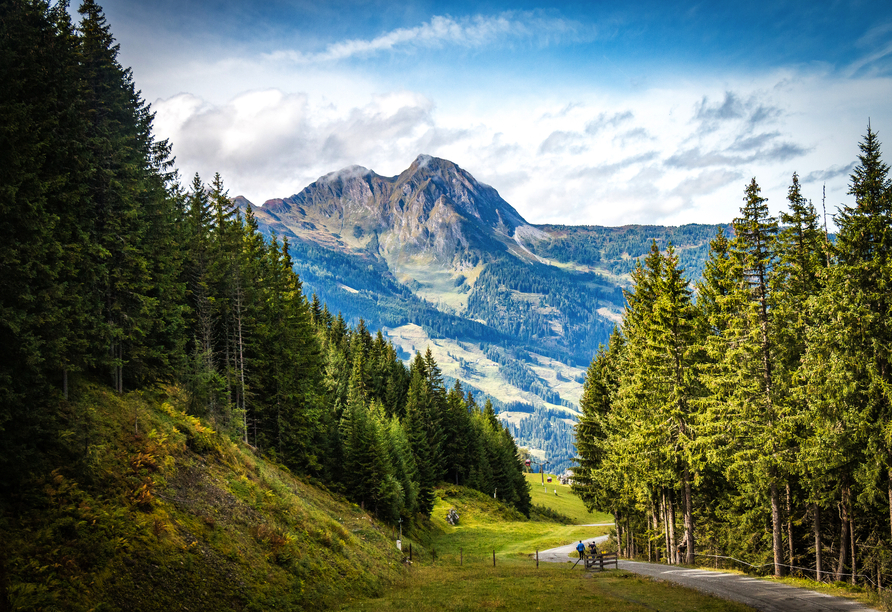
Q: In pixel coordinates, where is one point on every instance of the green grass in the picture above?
(841, 589)
(176, 516)
(564, 502)
(522, 587)
(454, 571)
(487, 525)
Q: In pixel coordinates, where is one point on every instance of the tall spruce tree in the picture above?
(763, 433)
(592, 430)
(847, 363)
(801, 259)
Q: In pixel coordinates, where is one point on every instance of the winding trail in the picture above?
(762, 594)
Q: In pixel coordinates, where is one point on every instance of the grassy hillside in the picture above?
(487, 525)
(149, 509)
(564, 502)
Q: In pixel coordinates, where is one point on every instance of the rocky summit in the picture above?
(434, 209)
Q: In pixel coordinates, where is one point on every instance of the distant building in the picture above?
(566, 478)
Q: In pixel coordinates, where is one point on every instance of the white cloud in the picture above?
(676, 154)
(469, 32)
(271, 144)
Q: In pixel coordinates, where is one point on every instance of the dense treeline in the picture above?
(754, 420)
(114, 273)
(617, 250)
(547, 429)
(562, 318)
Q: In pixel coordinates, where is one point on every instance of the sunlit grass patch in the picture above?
(522, 588)
(564, 501)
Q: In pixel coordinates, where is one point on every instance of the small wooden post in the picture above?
(493, 558)
(537, 558)
(410, 551)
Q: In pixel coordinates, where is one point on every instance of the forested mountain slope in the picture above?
(442, 261)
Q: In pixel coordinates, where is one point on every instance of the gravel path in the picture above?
(764, 595)
(561, 554)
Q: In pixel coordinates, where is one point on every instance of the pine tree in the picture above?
(847, 358)
(765, 429)
(795, 279)
(593, 430)
(125, 193)
(417, 403)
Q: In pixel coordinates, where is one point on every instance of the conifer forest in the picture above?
(115, 272)
(748, 415)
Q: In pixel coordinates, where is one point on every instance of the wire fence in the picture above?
(488, 557)
(824, 573)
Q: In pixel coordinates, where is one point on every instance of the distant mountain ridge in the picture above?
(437, 259)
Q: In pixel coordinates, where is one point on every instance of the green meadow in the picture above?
(453, 570)
(559, 498)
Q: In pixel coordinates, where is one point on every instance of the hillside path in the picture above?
(764, 595)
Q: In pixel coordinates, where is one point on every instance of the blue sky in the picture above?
(599, 112)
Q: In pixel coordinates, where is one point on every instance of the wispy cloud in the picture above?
(729, 108)
(443, 30)
(607, 120)
(695, 158)
(829, 173)
(749, 112)
(877, 59)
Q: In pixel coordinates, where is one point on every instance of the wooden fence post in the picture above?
(410, 551)
(537, 558)
(493, 558)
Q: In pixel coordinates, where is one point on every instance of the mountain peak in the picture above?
(433, 208)
(344, 174)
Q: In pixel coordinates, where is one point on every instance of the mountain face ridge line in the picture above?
(437, 259)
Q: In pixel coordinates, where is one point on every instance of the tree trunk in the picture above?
(619, 536)
(119, 369)
(650, 556)
(630, 543)
(241, 368)
(673, 552)
(688, 517)
(666, 529)
(852, 542)
(843, 540)
(777, 538)
(790, 524)
(655, 511)
(817, 521)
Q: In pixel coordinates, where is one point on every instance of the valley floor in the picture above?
(488, 562)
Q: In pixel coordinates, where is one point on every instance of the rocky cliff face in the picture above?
(434, 210)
